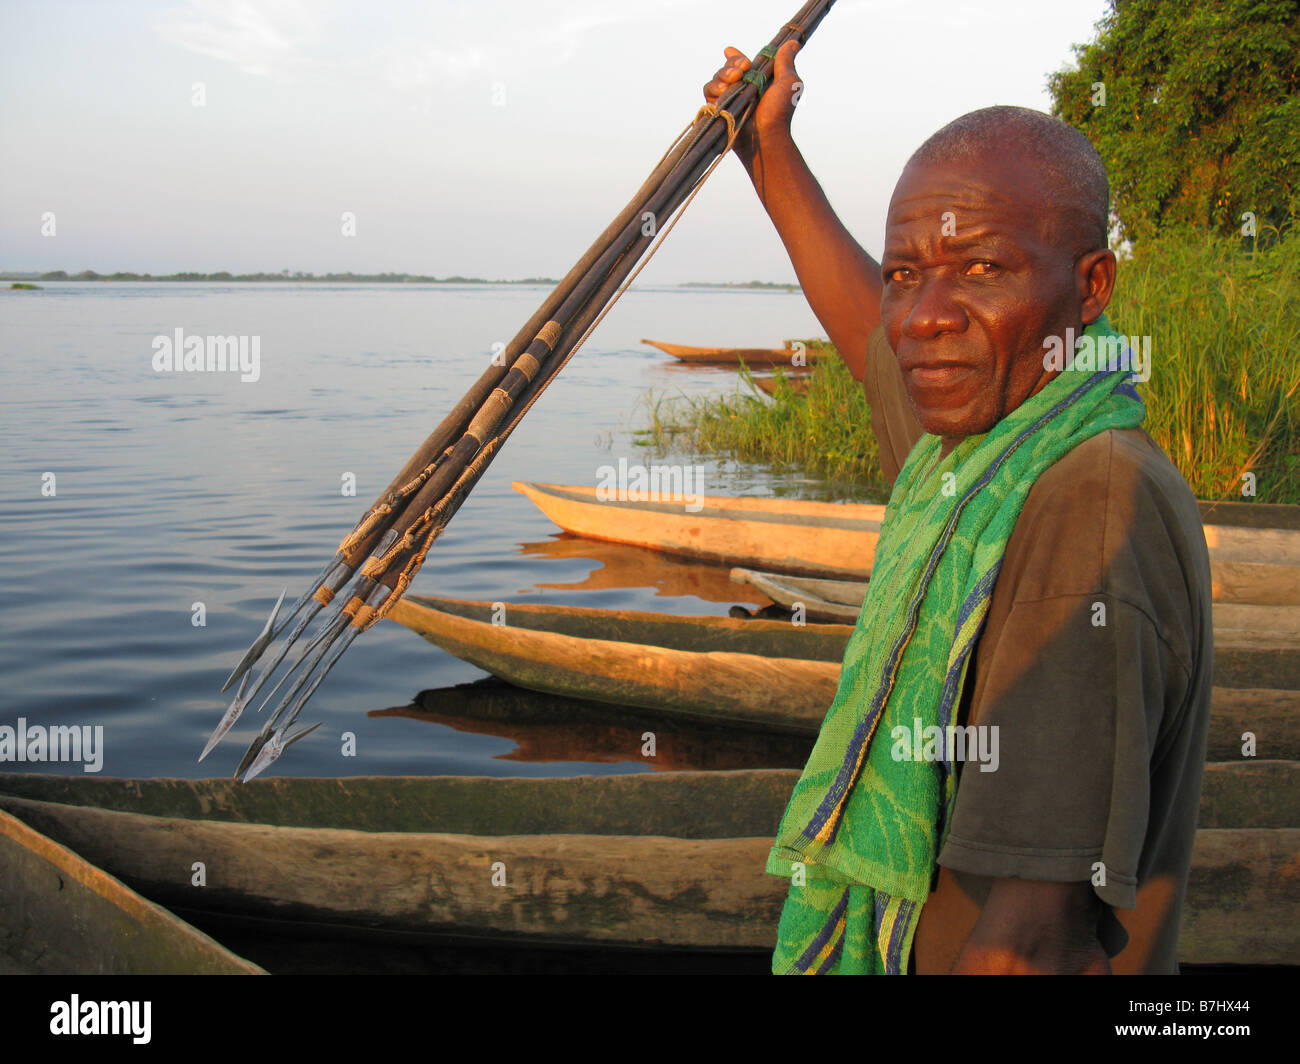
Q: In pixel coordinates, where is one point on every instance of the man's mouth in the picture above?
(936, 374)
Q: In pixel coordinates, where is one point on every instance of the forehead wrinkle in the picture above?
(993, 212)
(986, 227)
(986, 198)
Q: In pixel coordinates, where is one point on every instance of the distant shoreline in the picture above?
(349, 278)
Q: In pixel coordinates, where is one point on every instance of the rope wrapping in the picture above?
(380, 557)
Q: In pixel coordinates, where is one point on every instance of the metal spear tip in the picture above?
(301, 735)
(254, 748)
(274, 747)
(231, 715)
(267, 756)
(259, 644)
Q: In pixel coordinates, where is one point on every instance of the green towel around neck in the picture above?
(861, 834)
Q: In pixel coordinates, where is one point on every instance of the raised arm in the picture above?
(840, 280)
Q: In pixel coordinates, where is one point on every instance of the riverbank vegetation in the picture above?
(1223, 400)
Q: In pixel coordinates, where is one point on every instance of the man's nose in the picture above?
(934, 311)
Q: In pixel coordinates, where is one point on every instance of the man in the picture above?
(1042, 579)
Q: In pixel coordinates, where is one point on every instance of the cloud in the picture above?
(413, 49)
(535, 35)
(267, 38)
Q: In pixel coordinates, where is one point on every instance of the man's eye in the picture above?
(982, 268)
(898, 275)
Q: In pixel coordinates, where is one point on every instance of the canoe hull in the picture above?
(557, 882)
(838, 541)
(765, 674)
(733, 356)
(782, 693)
(821, 539)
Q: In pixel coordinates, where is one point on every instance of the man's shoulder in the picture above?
(1116, 463)
(1112, 516)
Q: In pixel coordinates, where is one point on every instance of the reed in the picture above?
(1223, 399)
(1224, 395)
(825, 433)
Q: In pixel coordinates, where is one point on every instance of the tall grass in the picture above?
(1223, 399)
(1224, 394)
(824, 434)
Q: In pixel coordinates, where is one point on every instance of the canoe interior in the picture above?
(850, 516)
(63, 916)
(685, 805)
(681, 805)
(1246, 662)
(1250, 514)
(634, 889)
(1249, 665)
(288, 947)
(698, 634)
(838, 592)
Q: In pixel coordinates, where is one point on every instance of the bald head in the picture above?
(1068, 170)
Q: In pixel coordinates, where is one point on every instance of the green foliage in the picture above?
(1201, 119)
(825, 433)
(1224, 394)
(1223, 399)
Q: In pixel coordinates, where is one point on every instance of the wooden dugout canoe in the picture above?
(63, 916)
(768, 385)
(733, 356)
(838, 540)
(810, 538)
(840, 602)
(823, 600)
(1236, 514)
(762, 673)
(671, 860)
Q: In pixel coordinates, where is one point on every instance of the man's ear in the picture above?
(1094, 276)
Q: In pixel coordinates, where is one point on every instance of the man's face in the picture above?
(972, 287)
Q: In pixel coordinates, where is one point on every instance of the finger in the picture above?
(722, 81)
(728, 75)
(736, 60)
(783, 64)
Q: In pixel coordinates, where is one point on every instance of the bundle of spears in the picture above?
(376, 562)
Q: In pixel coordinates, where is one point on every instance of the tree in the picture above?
(1194, 105)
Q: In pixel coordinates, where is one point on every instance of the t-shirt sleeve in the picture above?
(1073, 697)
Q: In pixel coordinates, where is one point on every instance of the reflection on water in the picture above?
(624, 566)
(552, 728)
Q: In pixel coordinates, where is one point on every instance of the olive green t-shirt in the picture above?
(1095, 667)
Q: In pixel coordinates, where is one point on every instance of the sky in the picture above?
(487, 138)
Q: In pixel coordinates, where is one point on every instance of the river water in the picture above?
(136, 502)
